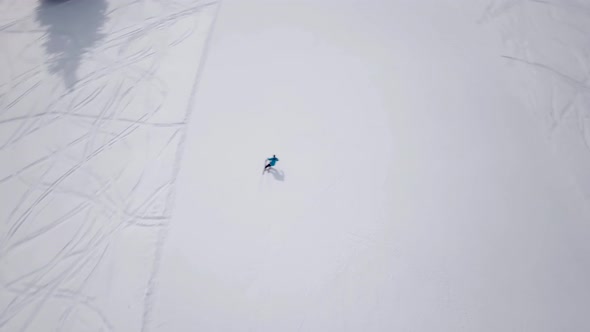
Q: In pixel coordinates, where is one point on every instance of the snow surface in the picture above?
(434, 169)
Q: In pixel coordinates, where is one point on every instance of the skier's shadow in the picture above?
(73, 28)
(278, 175)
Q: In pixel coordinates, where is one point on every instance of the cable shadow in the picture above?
(72, 29)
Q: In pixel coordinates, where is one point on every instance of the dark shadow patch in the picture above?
(73, 28)
(277, 174)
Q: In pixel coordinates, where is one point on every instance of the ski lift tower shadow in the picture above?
(279, 175)
(73, 29)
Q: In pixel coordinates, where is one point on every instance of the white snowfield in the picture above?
(434, 169)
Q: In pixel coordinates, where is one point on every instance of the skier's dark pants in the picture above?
(267, 166)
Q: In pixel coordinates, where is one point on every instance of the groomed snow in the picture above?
(433, 174)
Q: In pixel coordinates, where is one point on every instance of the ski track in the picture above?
(93, 149)
(80, 178)
(557, 90)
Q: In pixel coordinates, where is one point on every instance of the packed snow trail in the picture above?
(93, 112)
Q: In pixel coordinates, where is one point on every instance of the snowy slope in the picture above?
(94, 100)
(420, 193)
(433, 171)
(546, 46)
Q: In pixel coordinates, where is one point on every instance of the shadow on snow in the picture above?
(278, 175)
(73, 28)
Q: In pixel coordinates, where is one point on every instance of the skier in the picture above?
(271, 162)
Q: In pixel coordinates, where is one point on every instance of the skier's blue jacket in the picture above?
(272, 161)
